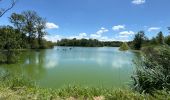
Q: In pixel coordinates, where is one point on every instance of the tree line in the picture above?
(87, 43)
(140, 40)
(27, 32)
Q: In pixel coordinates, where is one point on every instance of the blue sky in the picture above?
(106, 20)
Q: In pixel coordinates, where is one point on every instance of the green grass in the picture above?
(77, 93)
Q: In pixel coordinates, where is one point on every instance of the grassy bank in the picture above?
(19, 88)
(76, 93)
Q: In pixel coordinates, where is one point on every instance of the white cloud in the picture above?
(82, 34)
(53, 38)
(126, 33)
(118, 27)
(102, 30)
(99, 33)
(51, 26)
(95, 36)
(154, 29)
(125, 36)
(138, 2)
(122, 36)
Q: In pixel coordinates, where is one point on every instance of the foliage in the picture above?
(153, 71)
(153, 41)
(167, 40)
(87, 43)
(14, 81)
(160, 38)
(138, 40)
(28, 32)
(9, 42)
(9, 38)
(124, 46)
(31, 26)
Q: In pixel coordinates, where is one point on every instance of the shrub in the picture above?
(153, 70)
(124, 46)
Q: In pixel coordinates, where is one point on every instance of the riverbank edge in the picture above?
(77, 93)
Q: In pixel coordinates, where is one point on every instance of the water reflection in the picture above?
(89, 66)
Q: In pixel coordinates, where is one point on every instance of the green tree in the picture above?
(138, 40)
(31, 26)
(18, 21)
(167, 40)
(87, 43)
(160, 38)
(41, 26)
(9, 42)
(124, 46)
(153, 41)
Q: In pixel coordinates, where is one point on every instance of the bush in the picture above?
(2, 57)
(153, 70)
(34, 44)
(167, 40)
(124, 46)
(9, 56)
(15, 81)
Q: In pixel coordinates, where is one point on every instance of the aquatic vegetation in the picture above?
(153, 71)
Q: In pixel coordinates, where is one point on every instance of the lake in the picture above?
(60, 66)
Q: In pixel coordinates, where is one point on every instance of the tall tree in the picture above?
(160, 38)
(30, 24)
(41, 26)
(138, 40)
(17, 20)
(3, 10)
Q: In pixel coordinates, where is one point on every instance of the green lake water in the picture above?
(60, 66)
